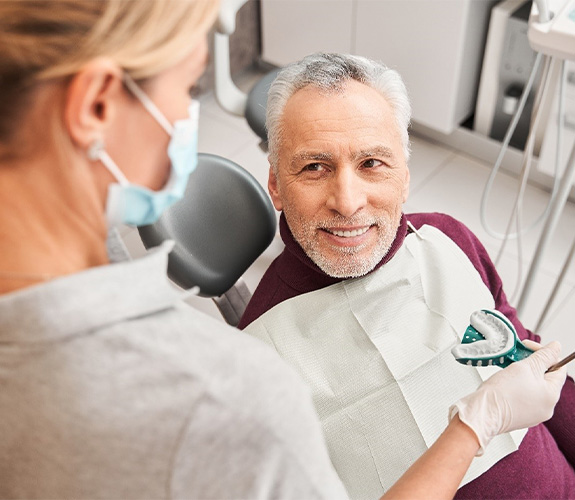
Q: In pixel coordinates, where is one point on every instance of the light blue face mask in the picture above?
(135, 205)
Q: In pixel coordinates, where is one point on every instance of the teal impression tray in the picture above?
(489, 340)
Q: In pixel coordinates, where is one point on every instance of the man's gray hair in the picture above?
(330, 72)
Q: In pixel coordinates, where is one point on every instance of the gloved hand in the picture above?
(519, 396)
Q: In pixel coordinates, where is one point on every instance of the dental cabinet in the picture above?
(436, 45)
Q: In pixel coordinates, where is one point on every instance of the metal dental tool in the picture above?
(561, 363)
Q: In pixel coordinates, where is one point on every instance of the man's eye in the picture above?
(372, 163)
(313, 167)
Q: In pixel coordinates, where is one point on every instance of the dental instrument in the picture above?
(491, 340)
(562, 363)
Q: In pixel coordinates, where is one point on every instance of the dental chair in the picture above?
(220, 227)
(250, 105)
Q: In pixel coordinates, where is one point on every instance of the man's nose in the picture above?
(347, 192)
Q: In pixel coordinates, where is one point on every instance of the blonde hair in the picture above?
(47, 39)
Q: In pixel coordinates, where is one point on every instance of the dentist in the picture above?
(110, 385)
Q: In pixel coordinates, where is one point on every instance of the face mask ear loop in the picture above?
(148, 104)
(97, 152)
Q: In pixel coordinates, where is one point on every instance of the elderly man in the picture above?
(366, 302)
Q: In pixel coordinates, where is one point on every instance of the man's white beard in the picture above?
(346, 263)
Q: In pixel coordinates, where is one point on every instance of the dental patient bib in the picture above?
(376, 354)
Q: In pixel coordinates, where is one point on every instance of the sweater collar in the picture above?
(301, 273)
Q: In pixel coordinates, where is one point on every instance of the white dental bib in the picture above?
(375, 352)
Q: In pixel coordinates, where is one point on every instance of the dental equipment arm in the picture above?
(229, 96)
(543, 8)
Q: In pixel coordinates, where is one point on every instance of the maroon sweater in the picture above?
(543, 466)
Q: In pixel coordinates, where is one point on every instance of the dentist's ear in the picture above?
(91, 101)
(274, 191)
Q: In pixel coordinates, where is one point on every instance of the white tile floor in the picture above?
(441, 180)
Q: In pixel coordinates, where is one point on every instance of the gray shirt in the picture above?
(112, 387)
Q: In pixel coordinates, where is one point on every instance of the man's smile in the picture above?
(348, 233)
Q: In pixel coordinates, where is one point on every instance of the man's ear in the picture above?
(274, 190)
(406, 185)
(92, 100)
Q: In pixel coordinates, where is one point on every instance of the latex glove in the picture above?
(519, 396)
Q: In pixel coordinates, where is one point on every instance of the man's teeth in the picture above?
(350, 234)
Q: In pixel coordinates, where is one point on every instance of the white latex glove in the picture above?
(519, 396)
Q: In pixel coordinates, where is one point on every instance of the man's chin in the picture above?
(346, 274)
(346, 266)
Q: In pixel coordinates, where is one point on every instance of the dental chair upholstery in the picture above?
(220, 227)
(257, 100)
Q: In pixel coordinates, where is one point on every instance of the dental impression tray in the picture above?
(490, 339)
